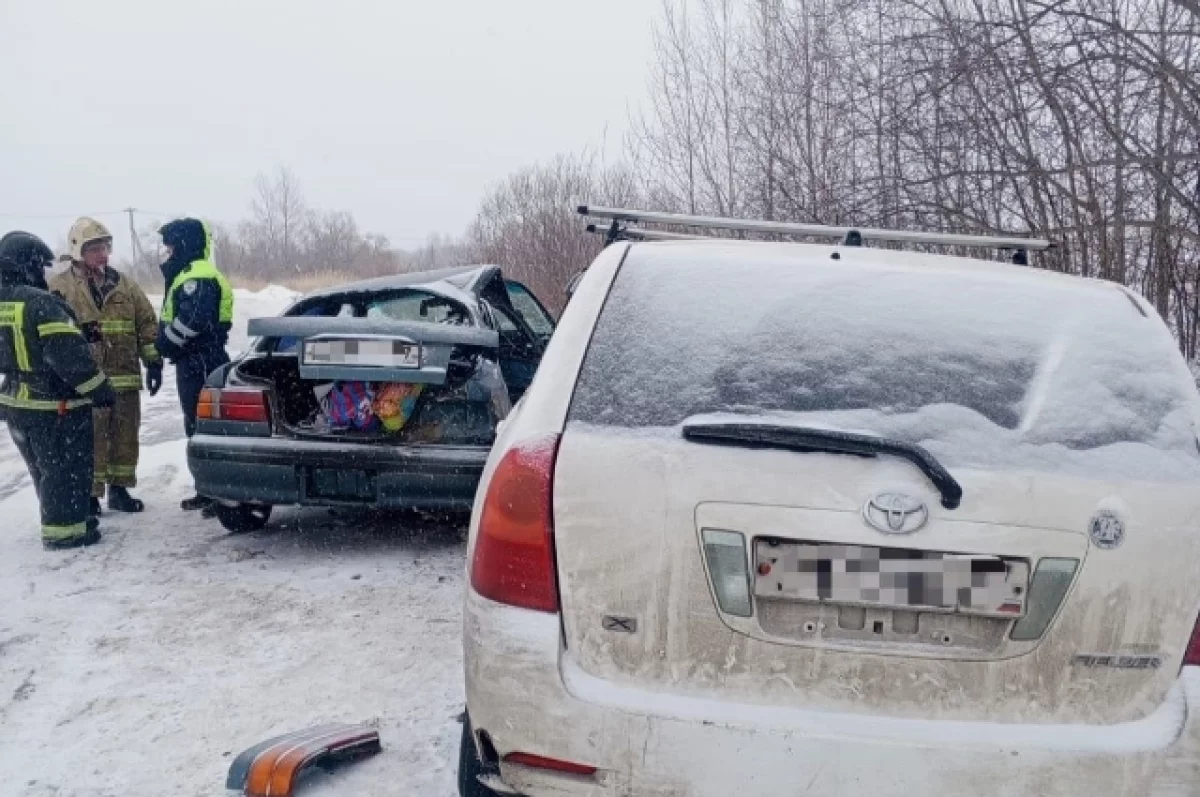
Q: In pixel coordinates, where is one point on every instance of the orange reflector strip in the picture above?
(553, 764)
(206, 408)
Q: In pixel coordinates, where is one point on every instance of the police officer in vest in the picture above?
(197, 314)
(50, 384)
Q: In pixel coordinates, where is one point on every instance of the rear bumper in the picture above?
(526, 693)
(273, 470)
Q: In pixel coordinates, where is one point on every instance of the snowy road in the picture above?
(140, 667)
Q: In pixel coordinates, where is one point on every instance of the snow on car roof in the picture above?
(821, 255)
(406, 280)
(984, 363)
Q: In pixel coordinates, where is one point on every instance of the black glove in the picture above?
(154, 378)
(91, 332)
(104, 396)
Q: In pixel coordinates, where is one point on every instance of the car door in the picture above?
(527, 327)
(524, 329)
(532, 311)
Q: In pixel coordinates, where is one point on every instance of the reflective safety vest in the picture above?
(200, 270)
(44, 358)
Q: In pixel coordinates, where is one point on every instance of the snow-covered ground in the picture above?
(143, 665)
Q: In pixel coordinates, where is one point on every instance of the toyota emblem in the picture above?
(895, 513)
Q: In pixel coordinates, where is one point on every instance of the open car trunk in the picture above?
(378, 380)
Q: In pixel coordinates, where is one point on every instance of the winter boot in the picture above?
(94, 509)
(195, 503)
(119, 500)
(89, 537)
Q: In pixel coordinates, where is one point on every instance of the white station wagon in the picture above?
(796, 519)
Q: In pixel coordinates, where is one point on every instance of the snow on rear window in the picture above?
(982, 367)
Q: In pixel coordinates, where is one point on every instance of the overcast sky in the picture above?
(400, 111)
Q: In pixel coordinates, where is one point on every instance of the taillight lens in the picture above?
(514, 550)
(725, 552)
(233, 404)
(1049, 586)
(207, 407)
(552, 764)
(1191, 656)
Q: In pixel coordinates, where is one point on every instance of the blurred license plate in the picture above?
(891, 577)
(369, 352)
(342, 484)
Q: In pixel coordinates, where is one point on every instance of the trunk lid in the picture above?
(378, 380)
(374, 349)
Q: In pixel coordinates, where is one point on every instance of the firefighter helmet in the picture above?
(24, 259)
(83, 232)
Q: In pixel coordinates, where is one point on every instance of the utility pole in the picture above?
(135, 242)
(133, 236)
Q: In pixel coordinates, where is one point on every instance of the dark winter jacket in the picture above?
(197, 308)
(46, 362)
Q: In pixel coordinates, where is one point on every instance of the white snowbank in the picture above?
(271, 293)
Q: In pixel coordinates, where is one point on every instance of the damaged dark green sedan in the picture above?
(384, 394)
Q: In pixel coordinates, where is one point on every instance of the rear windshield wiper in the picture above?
(800, 438)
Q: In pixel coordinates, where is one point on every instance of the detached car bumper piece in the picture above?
(272, 768)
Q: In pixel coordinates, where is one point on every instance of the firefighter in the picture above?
(50, 384)
(197, 314)
(119, 321)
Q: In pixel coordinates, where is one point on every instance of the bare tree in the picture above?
(278, 218)
(528, 224)
(1075, 119)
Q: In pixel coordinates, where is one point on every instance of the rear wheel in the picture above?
(241, 518)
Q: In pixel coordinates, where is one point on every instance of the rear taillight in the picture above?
(233, 404)
(1191, 656)
(514, 549)
(552, 764)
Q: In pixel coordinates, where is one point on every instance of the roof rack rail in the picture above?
(636, 234)
(621, 218)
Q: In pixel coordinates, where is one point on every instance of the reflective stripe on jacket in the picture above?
(44, 358)
(125, 321)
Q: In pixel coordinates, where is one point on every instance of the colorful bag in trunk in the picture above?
(348, 406)
(395, 403)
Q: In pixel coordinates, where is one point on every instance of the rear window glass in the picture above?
(973, 365)
(418, 306)
(291, 345)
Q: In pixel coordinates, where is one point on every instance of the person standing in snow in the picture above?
(119, 321)
(197, 314)
(50, 385)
